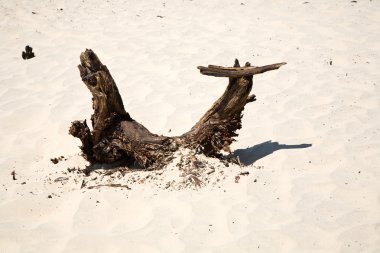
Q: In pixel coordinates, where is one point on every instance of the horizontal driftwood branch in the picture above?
(213, 70)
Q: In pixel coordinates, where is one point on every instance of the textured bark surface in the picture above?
(217, 128)
(115, 136)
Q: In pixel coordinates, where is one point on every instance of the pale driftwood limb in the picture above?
(117, 137)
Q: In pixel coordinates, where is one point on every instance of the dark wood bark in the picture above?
(28, 53)
(116, 136)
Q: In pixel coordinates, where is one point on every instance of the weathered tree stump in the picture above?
(118, 137)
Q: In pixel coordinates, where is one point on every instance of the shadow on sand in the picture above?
(250, 155)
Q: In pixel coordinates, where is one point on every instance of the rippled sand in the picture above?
(311, 141)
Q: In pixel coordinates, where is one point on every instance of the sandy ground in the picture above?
(310, 143)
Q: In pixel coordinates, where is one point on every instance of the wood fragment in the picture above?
(251, 98)
(209, 172)
(108, 185)
(197, 182)
(238, 160)
(60, 179)
(28, 53)
(13, 173)
(83, 184)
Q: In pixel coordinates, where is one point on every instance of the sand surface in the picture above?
(310, 143)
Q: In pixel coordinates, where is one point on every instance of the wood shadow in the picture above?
(250, 155)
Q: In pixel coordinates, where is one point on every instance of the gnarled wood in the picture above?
(217, 128)
(116, 136)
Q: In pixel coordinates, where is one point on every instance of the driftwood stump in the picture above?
(116, 136)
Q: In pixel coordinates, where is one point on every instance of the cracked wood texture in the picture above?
(116, 136)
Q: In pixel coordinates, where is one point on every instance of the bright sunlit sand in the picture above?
(310, 144)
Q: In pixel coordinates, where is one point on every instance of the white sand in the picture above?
(323, 198)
